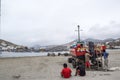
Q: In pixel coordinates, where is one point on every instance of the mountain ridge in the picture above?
(4, 43)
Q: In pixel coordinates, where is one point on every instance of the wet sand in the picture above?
(49, 68)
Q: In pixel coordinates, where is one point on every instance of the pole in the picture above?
(0, 30)
(78, 33)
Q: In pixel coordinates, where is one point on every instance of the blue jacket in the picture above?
(105, 54)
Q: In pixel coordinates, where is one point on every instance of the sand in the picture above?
(49, 68)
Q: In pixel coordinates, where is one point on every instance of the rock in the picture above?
(59, 54)
(66, 54)
(16, 76)
(48, 54)
(114, 69)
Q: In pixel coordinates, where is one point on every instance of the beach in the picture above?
(49, 68)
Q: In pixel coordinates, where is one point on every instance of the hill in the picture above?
(9, 46)
(4, 43)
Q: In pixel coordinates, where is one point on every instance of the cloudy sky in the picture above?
(47, 22)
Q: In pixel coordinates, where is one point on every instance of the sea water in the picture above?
(27, 54)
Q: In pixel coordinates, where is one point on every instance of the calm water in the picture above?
(113, 50)
(26, 54)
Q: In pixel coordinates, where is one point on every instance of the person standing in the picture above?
(87, 59)
(66, 72)
(105, 55)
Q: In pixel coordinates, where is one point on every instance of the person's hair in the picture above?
(104, 50)
(81, 62)
(81, 45)
(64, 65)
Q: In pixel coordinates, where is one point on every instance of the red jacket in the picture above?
(66, 72)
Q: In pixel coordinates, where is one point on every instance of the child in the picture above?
(80, 70)
(66, 72)
(87, 58)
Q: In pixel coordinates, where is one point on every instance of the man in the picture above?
(66, 72)
(87, 59)
(105, 54)
(80, 69)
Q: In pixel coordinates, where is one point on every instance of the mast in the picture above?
(0, 31)
(78, 33)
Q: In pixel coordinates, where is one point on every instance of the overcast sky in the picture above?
(47, 22)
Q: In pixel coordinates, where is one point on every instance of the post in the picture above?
(0, 32)
(78, 33)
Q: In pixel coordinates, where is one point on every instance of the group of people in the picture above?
(66, 71)
(80, 68)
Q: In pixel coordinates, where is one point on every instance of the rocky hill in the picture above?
(57, 48)
(4, 43)
(9, 46)
(109, 41)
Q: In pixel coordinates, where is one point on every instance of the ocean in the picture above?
(27, 54)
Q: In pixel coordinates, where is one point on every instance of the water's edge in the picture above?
(27, 54)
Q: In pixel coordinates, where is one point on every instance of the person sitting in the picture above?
(80, 70)
(66, 72)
